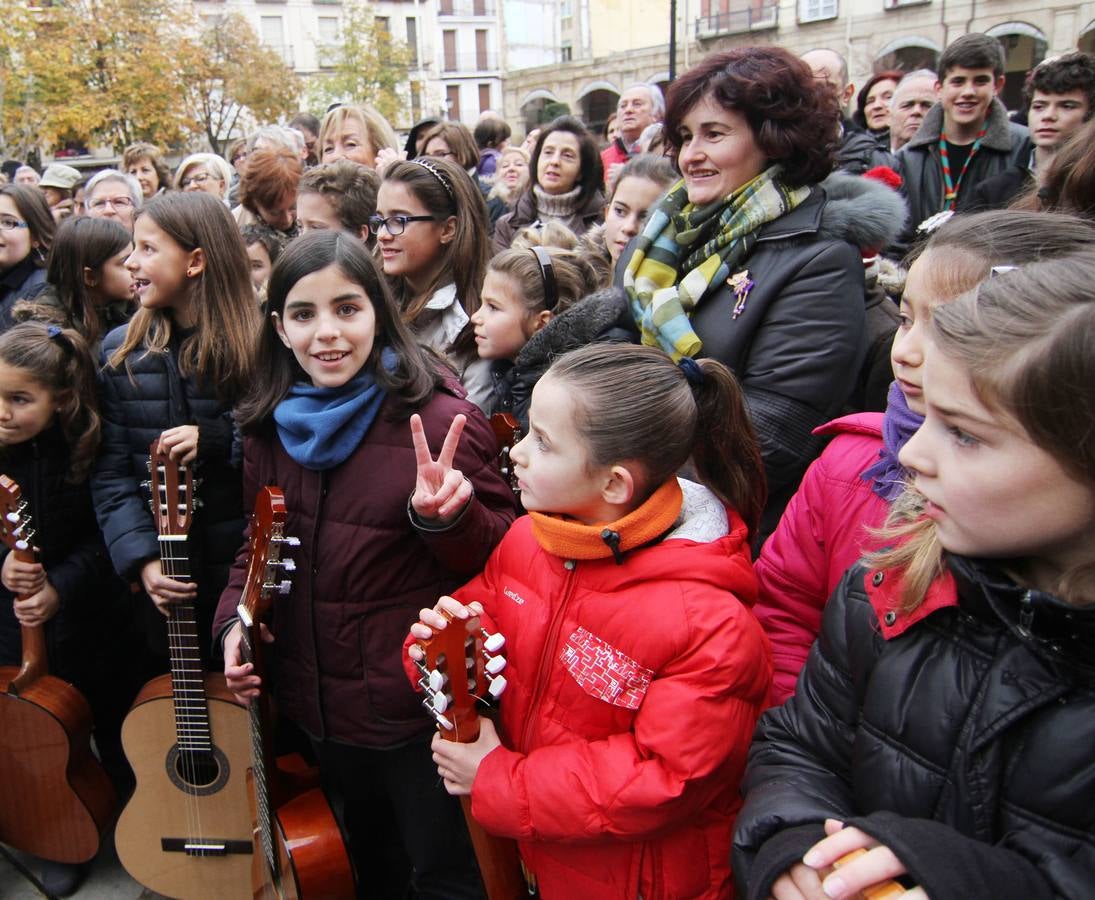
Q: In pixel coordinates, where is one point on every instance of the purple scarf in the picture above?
(888, 476)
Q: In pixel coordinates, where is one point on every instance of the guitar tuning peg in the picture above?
(497, 685)
(440, 702)
(288, 565)
(12, 517)
(197, 503)
(492, 643)
(285, 586)
(441, 720)
(148, 464)
(147, 484)
(292, 541)
(22, 545)
(495, 664)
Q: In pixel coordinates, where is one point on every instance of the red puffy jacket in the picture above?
(823, 531)
(633, 693)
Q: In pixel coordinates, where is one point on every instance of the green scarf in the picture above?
(726, 231)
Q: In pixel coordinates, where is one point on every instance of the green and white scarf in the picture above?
(662, 304)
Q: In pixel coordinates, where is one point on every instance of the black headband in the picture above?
(547, 274)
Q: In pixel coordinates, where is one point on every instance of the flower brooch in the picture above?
(741, 284)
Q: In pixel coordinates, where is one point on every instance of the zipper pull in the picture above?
(612, 538)
(1026, 612)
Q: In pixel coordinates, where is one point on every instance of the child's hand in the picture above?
(440, 492)
(240, 675)
(385, 157)
(22, 577)
(180, 443)
(38, 608)
(800, 882)
(431, 621)
(165, 591)
(457, 763)
(877, 865)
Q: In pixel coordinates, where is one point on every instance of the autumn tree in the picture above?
(368, 67)
(235, 80)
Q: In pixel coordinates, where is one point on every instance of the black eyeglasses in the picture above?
(396, 225)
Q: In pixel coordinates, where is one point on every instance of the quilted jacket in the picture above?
(633, 690)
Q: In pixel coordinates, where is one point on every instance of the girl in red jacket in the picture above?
(344, 421)
(636, 670)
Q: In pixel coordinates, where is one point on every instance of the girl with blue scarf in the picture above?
(345, 418)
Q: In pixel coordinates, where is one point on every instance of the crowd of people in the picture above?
(799, 558)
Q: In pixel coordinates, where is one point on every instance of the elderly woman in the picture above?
(204, 172)
(268, 192)
(145, 162)
(565, 183)
(357, 133)
(740, 260)
(111, 194)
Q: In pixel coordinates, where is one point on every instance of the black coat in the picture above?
(138, 402)
(1000, 190)
(963, 742)
(72, 553)
(22, 281)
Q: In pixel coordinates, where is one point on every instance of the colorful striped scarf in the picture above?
(726, 231)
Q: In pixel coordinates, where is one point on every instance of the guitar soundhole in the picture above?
(199, 772)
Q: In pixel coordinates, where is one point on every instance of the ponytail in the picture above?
(635, 404)
(725, 450)
(60, 360)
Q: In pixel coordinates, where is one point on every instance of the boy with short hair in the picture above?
(966, 137)
(1061, 97)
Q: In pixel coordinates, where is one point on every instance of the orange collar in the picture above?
(569, 539)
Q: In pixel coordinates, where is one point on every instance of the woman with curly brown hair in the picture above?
(746, 260)
(268, 193)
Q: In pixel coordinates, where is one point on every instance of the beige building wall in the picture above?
(865, 31)
(617, 26)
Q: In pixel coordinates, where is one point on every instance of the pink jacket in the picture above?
(822, 532)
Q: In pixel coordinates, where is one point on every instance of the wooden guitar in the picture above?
(57, 798)
(884, 890)
(507, 431)
(459, 668)
(298, 849)
(186, 831)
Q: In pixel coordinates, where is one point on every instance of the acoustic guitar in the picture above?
(462, 668)
(57, 798)
(186, 831)
(298, 849)
(507, 432)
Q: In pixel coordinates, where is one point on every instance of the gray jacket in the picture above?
(1004, 145)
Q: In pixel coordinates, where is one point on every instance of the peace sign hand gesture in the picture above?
(440, 491)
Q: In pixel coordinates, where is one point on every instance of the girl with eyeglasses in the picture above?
(347, 419)
(431, 230)
(26, 233)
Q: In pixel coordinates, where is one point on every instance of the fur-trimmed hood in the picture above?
(862, 211)
(998, 130)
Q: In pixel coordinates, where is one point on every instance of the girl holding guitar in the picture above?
(343, 421)
(49, 430)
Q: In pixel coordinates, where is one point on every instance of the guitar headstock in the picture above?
(264, 559)
(15, 528)
(460, 666)
(172, 487)
(507, 431)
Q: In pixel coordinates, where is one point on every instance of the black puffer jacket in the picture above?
(23, 281)
(137, 404)
(963, 741)
(72, 553)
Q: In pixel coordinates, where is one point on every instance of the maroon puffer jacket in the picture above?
(364, 571)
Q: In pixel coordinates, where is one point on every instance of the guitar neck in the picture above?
(35, 662)
(192, 730)
(263, 765)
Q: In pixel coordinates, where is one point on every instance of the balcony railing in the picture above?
(738, 21)
(467, 8)
(463, 63)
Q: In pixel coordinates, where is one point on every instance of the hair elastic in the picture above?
(692, 371)
(547, 275)
(436, 173)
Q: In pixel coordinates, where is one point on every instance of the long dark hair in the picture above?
(32, 206)
(79, 244)
(59, 359)
(410, 384)
(635, 403)
(218, 353)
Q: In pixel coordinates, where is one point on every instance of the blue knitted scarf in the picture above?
(320, 426)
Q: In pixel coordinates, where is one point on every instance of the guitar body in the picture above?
(57, 798)
(311, 858)
(162, 817)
